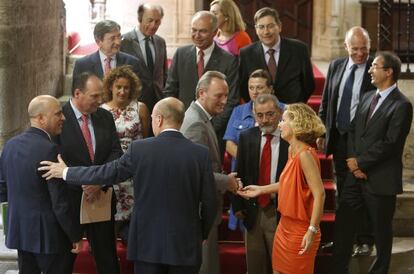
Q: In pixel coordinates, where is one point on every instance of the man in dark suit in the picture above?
(175, 202)
(286, 59)
(260, 215)
(108, 38)
(191, 61)
(211, 93)
(137, 41)
(89, 137)
(39, 215)
(346, 82)
(375, 145)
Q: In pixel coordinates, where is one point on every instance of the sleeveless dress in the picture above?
(128, 126)
(295, 202)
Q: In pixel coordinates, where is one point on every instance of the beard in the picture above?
(267, 129)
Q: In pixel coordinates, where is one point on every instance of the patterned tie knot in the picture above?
(270, 51)
(268, 137)
(84, 118)
(201, 53)
(108, 60)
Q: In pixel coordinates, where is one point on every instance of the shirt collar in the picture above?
(274, 133)
(351, 63)
(205, 111)
(78, 114)
(141, 36)
(247, 110)
(102, 56)
(206, 51)
(386, 91)
(276, 47)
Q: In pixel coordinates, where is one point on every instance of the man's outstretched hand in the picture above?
(53, 170)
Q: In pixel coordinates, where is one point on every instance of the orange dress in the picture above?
(295, 202)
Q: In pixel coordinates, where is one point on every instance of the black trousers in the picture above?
(141, 267)
(355, 199)
(34, 263)
(364, 228)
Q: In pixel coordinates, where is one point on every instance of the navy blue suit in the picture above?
(92, 63)
(175, 197)
(39, 212)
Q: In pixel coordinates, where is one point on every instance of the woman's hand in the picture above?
(249, 191)
(306, 242)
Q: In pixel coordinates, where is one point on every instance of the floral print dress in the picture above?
(129, 128)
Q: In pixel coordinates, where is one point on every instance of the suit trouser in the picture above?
(210, 253)
(364, 230)
(259, 241)
(141, 267)
(34, 263)
(101, 237)
(354, 200)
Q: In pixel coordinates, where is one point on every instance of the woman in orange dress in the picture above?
(301, 194)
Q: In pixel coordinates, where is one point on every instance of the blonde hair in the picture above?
(306, 125)
(230, 10)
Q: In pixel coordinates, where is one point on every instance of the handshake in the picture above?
(235, 186)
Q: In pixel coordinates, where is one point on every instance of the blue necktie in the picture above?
(148, 53)
(344, 113)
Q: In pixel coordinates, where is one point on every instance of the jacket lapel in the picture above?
(97, 64)
(385, 105)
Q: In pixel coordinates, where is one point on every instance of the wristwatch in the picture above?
(313, 229)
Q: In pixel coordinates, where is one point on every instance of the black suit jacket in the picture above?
(379, 143)
(40, 219)
(153, 82)
(248, 165)
(182, 79)
(329, 104)
(75, 151)
(294, 76)
(175, 197)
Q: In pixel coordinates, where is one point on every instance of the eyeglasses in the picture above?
(375, 66)
(268, 26)
(268, 115)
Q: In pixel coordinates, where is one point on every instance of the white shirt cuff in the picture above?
(65, 171)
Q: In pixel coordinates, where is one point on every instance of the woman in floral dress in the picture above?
(121, 90)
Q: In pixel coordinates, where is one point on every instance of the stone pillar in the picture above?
(331, 20)
(31, 58)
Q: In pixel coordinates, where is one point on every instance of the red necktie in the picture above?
(200, 63)
(374, 103)
(107, 65)
(264, 172)
(87, 136)
(271, 64)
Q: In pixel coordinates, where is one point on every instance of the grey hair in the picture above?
(206, 79)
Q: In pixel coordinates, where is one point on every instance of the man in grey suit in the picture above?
(211, 93)
(175, 203)
(150, 49)
(191, 61)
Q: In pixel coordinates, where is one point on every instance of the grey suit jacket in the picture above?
(182, 78)
(155, 82)
(198, 128)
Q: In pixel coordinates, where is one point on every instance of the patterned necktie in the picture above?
(200, 63)
(271, 64)
(344, 112)
(374, 103)
(264, 172)
(87, 136)
(150, 60)
(107, 65)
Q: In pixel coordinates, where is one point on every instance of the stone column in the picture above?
(31, 58)
(331, 20)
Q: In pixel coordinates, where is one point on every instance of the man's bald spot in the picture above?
(171, 109)
(40, 105)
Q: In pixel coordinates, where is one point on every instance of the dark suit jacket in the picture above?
(294, 76)
(248, 165)
(329, 104)
(74, 149)
(39, 213)
(378, 145)
(182, 79)
(92, 63)
(154, 82)
(174, 191)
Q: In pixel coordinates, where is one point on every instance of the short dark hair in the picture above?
(262, 73)
(391, 61)
(80, 80)
(146, 6)
(103, 27)
(267, 12)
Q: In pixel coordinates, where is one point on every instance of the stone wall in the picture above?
(31, 58)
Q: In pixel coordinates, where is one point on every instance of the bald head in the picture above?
(357, 44)
(167, 113)
(45, 113)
